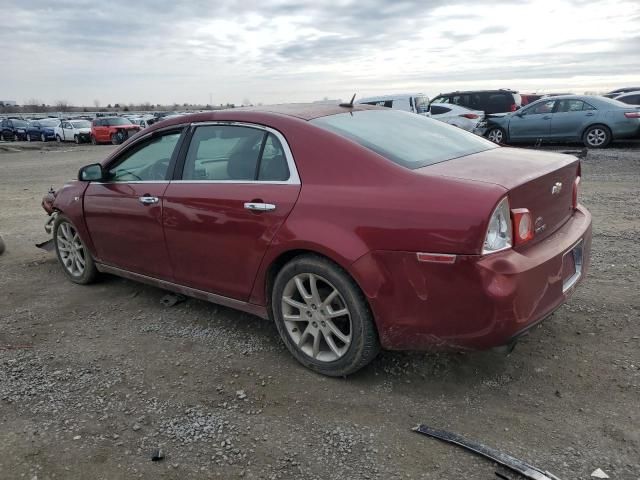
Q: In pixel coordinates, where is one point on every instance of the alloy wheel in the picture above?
(596, 137)
(496, 135)
(316, 317)
(71, 249)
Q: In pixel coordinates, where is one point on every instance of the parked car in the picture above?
(620, 91)
(595, 121)
(114, 130)
(353, 228)
(43, 129)
(409, 102)
(78, 131)
(631, 98)
(456, 115)
(488, 101)
(13, 129)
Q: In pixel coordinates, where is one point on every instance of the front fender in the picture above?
(69, 201)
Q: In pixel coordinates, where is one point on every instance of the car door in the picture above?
(67, 131)
(237, 186)
(532, 122)
(124, 212)
(570, 118)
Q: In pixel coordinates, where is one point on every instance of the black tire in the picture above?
(496, 135)
(364, 345)
(596, 136)
(116, 139)
(43, 138)
(90, 272)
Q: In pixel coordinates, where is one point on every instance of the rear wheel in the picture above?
(116, 138)
(74, 257)
(323, 317)
(496, 135)
(597, 136)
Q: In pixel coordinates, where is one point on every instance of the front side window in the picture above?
(81, 124)
(541, 108)
(235, 153)
(116, 121)
(147, 163)
(410, 140)
(439, 110)
(19, 124)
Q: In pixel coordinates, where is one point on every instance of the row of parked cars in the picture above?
(509, 116)
(502, 116)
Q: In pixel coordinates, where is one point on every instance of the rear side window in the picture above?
(234, 153)
(410, 140)
(381, 103)
(565, 106)
(439, 110)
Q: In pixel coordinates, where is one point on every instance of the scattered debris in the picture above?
(171, 299)
(157, 455)
(503, 459)
(14, 347)
(598, 473)
(47, 246)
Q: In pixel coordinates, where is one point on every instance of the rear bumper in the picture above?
(478, 302)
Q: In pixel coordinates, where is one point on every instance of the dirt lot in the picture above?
(92, 379)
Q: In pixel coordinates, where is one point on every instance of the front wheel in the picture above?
(116, 139)
(496, 135)
(597, 136)
(72, 254)
(323, 317)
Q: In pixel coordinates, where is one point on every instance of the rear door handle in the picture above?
(148, 200)
(259, 207)
(589, 115)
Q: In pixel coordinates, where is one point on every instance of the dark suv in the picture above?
(488, 101)
(13, 129)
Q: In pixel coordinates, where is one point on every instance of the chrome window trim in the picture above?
(294, 177)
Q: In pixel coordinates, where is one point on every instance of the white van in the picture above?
(409, 102)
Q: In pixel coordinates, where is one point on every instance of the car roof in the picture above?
(499, 90)
(395, 96)
(626, 94)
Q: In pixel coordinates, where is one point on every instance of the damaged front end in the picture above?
(47, 204)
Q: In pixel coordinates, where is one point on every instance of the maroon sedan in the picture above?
(353, 228)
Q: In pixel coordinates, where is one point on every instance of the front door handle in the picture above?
(259, 207)
(589, 115)
(148, 200)
(547, 117)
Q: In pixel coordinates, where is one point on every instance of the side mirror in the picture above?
(91, 173)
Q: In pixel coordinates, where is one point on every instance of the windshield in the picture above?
(410, 140)
(118, 121)
(19, 123)
(422, 104)
(49, 123)
(81, 124)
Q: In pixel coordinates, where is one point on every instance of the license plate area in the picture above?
(572, 266)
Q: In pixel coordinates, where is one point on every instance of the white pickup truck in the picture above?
(78, 131)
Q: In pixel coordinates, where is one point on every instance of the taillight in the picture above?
(632, 114)
(522, 225)
(469, 115)
(514, 107)
(576, 188)
(499, 232)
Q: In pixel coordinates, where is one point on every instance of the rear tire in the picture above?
(73, 255)
(316, 333)
(596, 136)
(116, 139)
(496, 135)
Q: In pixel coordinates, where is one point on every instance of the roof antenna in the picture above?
(350, 104)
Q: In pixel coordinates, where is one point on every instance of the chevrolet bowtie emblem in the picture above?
(557, 188)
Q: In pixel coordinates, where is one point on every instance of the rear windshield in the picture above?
(422, 104)
(117, 121)
(407, 139)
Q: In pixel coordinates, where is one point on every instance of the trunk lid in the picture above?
(542, 182)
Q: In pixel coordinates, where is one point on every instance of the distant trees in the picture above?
(62, 105)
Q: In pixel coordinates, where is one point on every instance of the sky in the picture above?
(278, 51)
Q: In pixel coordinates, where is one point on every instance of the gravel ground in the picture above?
(93, 379)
